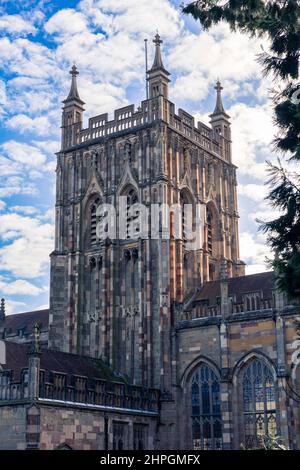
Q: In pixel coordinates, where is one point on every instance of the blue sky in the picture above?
(39, 41)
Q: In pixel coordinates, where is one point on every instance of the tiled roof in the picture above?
(262, 282)
(26, 321)
(56, 361)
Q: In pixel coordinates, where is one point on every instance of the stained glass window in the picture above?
(259, 404)
(206, 410)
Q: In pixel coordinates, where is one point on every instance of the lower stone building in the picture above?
(199, 355)
(238, 366)
(52, 400)
(235, 381)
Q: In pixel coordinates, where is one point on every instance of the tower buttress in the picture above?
(72, 115)
(220, 123)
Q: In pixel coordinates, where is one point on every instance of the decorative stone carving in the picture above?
(94, 159)
(164, 300)
(130, 311)
(211, 174)
(95, 315)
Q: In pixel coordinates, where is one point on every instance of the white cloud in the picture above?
(8, 167)
(27, 210)
(66, 23)
(103, 60)
(49, 147)
(14, 307)
(136, 17)
(16, 185)
(217, 53)
(28, 243)
(15, 24)
(20, 287)
(2, 205)
(102, 97)
(28, 58)
(193, 86)
(24, 124)
(3, 97)
(252, 134)
(264, 212)
(254, 250)
(23, 153)
(48, 216)
(256, 192)
(42, 307)
(256, 268)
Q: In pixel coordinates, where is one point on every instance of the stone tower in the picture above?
(120, 298)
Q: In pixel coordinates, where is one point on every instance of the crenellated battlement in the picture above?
(128, 118)
(215, 139)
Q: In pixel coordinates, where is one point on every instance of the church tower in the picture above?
(121, 297)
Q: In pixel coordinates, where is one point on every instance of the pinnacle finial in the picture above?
(157, 41)
(158, 63)
(35, 344)
(219, 105)
(223, 270)
(218, 86)
(73, 94)
(2, 309)
(74, 71)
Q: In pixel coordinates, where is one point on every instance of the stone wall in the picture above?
(13, 427)
(226, 346)
(53, 426)
(85, 429)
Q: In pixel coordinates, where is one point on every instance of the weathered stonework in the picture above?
(160, 157)
(210, 357)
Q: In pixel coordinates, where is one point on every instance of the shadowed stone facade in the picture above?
(210, 356)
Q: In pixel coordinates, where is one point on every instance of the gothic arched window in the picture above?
(259, 404)
(127, 275)
(128, 152)
(212, 229)
(209, 231)
(206, 409)
(93, 221)
(187, 218)
(92, 286)
(132, 217)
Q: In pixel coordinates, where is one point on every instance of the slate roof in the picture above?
(237, 286)
(56, 361)
(26, 321)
